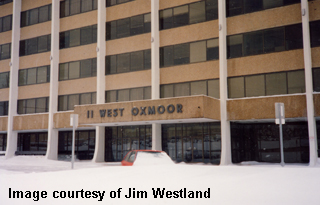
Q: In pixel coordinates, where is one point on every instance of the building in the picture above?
(198, 79)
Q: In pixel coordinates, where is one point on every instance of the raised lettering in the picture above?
(179, 108)
(143, 110)
(121, 111)
(151, 110)
(135, 111)
(115, 112)
(161, 109)
(170, 108)
(102, 113)
(109, 111)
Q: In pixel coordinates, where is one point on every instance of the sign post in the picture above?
(74, 124)
(280, 119)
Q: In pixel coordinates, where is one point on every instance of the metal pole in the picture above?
(281, 135)
(73, 139)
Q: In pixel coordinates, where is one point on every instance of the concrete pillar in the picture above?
(52, 149)
(13, 88)
(225, 124)
(99, 151)
(312, 128)
(155, 71)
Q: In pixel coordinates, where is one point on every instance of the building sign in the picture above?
(135, 111)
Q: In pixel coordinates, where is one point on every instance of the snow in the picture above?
(248, 183)
(155, 158)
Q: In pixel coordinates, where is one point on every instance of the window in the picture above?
(67, 102)
(316, 79)
(238, 7)
(4, 80)
(77, 37)
(34, 142)
(35, 105)
(84, 144)
(73, 7)
(128, 94)
(126, 62)
(236, 87)
(5, 51)
(188, 14)
(315, 33)
(34, 75)
(5, 23)
(4, 106)
(115, 2)
(267, 84)
(266, 41)
(35, 45)
(193, 52)
(128, 27)
(3, 139)
(204, 87)
(36, 15)
(2, 2)
(255, 85)
(276, 84)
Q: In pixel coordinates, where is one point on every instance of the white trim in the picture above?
(14, 71)
(225, 124)
(312, 128)
(52, 147)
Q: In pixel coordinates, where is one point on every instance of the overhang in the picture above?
(167, 110)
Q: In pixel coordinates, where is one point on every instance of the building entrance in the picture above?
(120, 140)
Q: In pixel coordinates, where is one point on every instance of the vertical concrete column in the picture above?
(155, 71)
(52, 149)
(13, 88)
(99, 151)
(309, 84)
(225, 124)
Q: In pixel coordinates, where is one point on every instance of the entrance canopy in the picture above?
(166, 110)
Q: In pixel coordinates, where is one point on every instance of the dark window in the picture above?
(2, 2)
(128, 27)
(204, 87)
(166, 19)
(35, 16)
(166, 56)
(266, 41)
(115, 2)
(3, 138)
(194, 142)
(234, 46)
(181, 16)
(181, 54)
(84, 144)
(5, 23)
(128, 94)
(77, 37)
(32, 142)
(126, 62)
(34, 105)
(267, 84)
(137, 25)
(211, 9)
(123, 63)
(4, 79)
(293, 35)
(237, 7)
(4, 106)
(315, 33)
(197, 12)
(316, 79)
(253, 43)
(5, 51)
(64, 8)
(73, 7)
(213, 49)
(123, 28)
(35, 45)
(260, 142)
(34, 75)
(67, 102)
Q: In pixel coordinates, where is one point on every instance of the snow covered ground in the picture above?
(40, 180)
